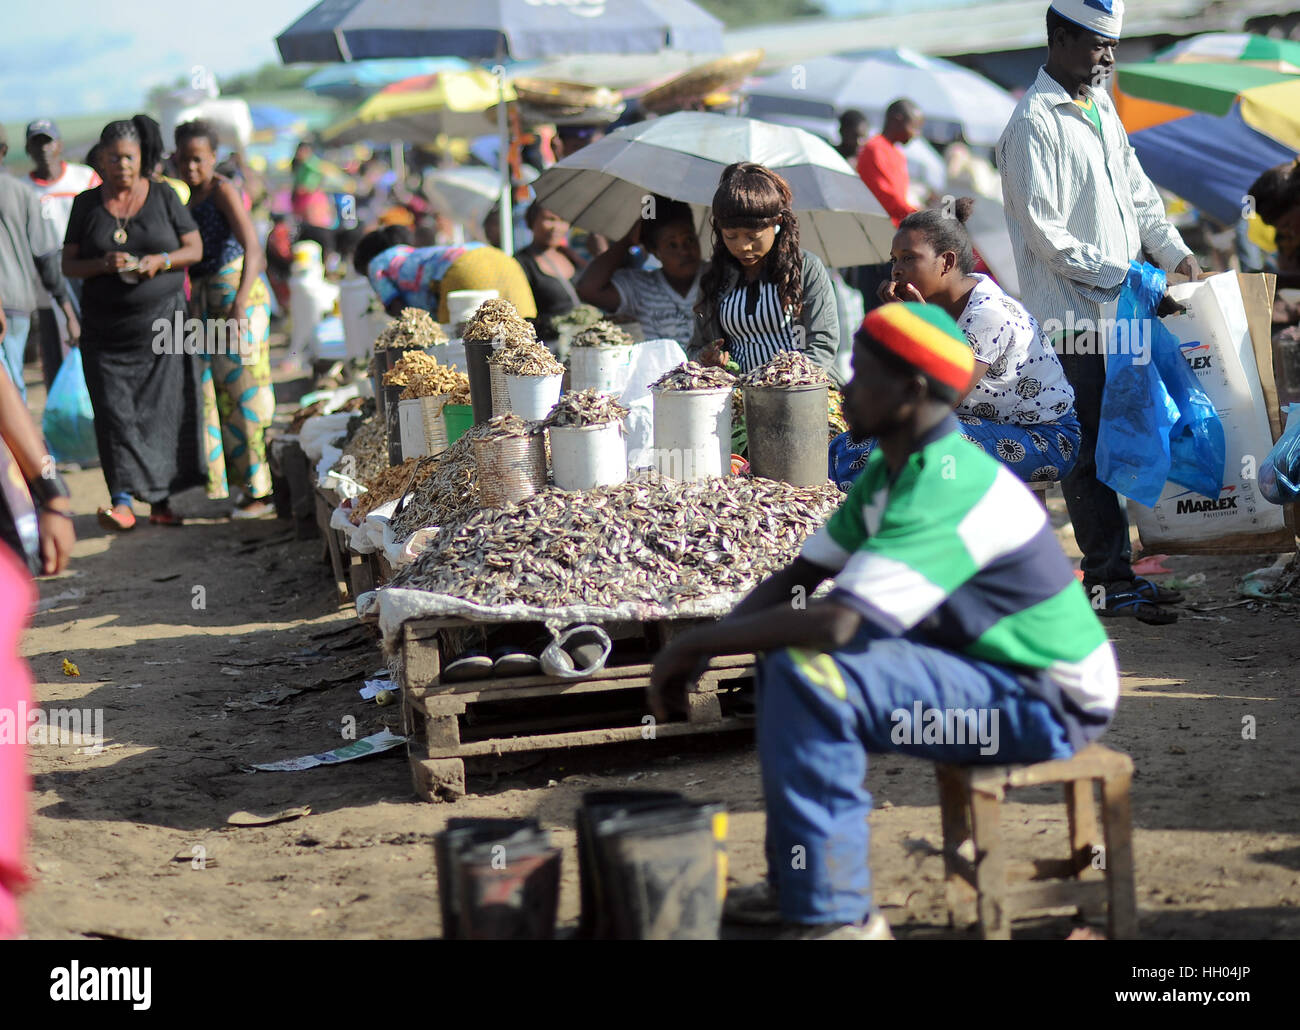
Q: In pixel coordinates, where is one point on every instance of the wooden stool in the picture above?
(1039, 490)
(975, 861)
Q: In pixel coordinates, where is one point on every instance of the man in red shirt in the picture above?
(883, 167)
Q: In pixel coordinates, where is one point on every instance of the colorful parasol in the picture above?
(422, 107)
(1206, 131)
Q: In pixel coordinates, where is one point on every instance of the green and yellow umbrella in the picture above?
(423, 107)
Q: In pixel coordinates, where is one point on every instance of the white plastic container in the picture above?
(599, 368)
(435, 429)
(692, 433)
(585, 457)
(311, 297)
(533, 397)
(355, 296)
(463, 303)
(410, 421)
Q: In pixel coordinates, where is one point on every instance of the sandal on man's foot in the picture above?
(1128, 604)
(1154, 592)
(163, 516)
(120, 518)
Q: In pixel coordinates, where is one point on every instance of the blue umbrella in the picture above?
(267, 118)
(354, 30)
(358, 80)
(521, 30)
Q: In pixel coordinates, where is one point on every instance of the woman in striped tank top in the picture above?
(761, 293)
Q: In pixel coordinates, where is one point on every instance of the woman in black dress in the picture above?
(552, 268)
(130, 240)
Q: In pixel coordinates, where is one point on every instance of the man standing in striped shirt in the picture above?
(1080, 210)
(955, 630)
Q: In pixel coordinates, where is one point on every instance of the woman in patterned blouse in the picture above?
(1020, 406)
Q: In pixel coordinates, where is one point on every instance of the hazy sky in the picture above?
(67, 57)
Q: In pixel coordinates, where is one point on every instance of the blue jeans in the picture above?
(15, 344)
(819, 715)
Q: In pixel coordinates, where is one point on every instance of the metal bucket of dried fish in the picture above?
(510, 468)
(533, 397)
(787, 433)
(692, 433)
(477, 353)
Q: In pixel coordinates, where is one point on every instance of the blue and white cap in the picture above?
(1104, 17)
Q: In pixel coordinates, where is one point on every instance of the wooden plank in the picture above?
(611, 677)
(546, 686)
(421, 658)
(360, 575)
(438, 779)
(1096, 762)
(959, 877)
(1121, 916)
(1081, 811)
(1025, 899)
(990, 867)
(335, 551)
(587, 738)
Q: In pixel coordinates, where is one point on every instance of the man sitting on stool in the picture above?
(950, 595)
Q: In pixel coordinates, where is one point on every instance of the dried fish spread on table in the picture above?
(649, 540)
(388, 485)
(447, 496)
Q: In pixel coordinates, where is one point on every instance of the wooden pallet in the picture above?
(302, 488)
(336, 542)
(447, 723)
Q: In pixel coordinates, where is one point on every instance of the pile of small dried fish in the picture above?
(603, 334)
(424, 377)
(786, 368)
(501, 426)
(497, 320)
(368, 450)
(447, 496)
(526, 359)
(647, 540)
(413, 328)
(691, 376)
(390, 483)
(585, 408)
(410, 366)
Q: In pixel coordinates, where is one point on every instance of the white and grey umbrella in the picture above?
(603, 186)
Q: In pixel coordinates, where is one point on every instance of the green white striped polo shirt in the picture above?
(956, 552)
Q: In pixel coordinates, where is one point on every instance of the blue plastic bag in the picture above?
(1279, 475)
(69, 419)
(1157, 424)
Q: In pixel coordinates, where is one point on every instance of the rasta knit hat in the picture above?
(926, 338)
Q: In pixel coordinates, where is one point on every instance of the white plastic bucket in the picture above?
(692, 433)
(463, 303)
(599, 368)
(410, 422)
(354, 298)
(533, 397)
(585, 457)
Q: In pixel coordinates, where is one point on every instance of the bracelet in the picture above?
(44, 489)
(55, 511)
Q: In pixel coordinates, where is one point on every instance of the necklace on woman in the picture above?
(119, 234)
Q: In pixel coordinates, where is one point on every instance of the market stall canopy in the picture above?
(693, 85)
(681, 156)
(422, 107)
(359, 79)
(352, 30)
(1281, 55)
(954, 99)
(1206, 131)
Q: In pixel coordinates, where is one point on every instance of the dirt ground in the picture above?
(133, 842)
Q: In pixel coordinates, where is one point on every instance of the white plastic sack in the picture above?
(650, 360)
(321, 430)
(1216, 343)
(556, 661)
